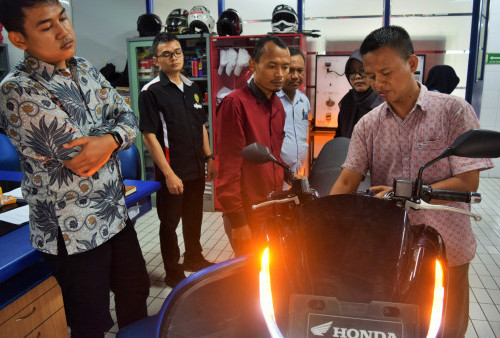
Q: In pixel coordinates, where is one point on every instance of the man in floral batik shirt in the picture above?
(67, 124)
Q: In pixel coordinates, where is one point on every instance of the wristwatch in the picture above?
(117, 137)
(208, 157)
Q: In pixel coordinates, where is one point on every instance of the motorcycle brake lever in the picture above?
(284, 200)
(426, 206)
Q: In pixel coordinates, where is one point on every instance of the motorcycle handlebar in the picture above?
(429, 193)
(278, 195)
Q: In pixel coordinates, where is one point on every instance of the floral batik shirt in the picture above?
(42, 108)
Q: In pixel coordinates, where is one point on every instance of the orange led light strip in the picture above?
(266, 297)
(437, 304)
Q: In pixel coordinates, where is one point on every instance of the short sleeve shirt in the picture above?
(176, 118)
(295, 146)
(390, 147)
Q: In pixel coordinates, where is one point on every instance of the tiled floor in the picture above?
(484, 272)
(215, 244)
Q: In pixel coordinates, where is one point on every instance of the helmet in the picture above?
(148, 24)
(284, 20)
(177, 22)
(229, 23)
(200, 20)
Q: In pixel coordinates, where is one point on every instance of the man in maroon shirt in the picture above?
(251, 114)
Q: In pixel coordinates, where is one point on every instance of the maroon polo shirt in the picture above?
(244, 117)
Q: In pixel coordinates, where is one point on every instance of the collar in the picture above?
(42, 68)
(422, 101)
(296, 99)
(259, 95)
(165, 80)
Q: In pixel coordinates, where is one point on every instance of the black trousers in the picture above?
(171, 208)
(86, 279)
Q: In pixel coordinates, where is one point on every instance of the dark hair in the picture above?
(296, 51)
(162, 38)
(259, 46)
(394, 37)
(12, 14)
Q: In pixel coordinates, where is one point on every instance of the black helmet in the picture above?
(229, 23)
(284, 19)
(148, 24)
(200, 20)
(177, 22)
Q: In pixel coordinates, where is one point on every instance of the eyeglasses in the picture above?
(361, 73)
(168, 55)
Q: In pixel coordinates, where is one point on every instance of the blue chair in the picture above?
(9, 159)
(130, 163)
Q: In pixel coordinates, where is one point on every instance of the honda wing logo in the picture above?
(343, 332)
(320, 330)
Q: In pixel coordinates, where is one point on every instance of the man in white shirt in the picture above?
(297, 107)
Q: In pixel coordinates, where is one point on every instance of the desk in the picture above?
(16, 252)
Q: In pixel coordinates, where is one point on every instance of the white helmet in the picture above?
(200, 20)
(284, 20)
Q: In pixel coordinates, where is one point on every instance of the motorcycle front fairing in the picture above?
(360, 258)
(340, 263)
(219, 301)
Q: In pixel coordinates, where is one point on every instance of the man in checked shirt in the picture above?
(396, 138)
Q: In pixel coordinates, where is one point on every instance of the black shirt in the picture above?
(176, 118)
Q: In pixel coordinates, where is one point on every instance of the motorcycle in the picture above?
(335, 266)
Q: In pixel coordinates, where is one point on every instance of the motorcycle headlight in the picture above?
(437, 304)
(266, 296)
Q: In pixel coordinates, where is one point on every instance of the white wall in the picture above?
(14, 54)
(490, 105)
(101, 29)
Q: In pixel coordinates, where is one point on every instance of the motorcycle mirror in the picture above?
(475, 143)
(258, 154)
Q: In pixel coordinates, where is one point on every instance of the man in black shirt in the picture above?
(172, 122)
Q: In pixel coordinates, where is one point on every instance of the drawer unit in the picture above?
(36, 313)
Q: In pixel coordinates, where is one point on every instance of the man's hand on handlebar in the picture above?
(380, 190)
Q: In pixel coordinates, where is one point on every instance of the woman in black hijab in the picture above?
(442, 79)
(359, 100)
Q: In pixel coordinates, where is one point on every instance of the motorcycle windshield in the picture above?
(353, 246)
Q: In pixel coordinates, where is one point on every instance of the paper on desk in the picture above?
(16, 193)
(133, 211)
(16, 216)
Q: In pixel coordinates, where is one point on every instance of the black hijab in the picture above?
(354, 105)
(442, 78)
